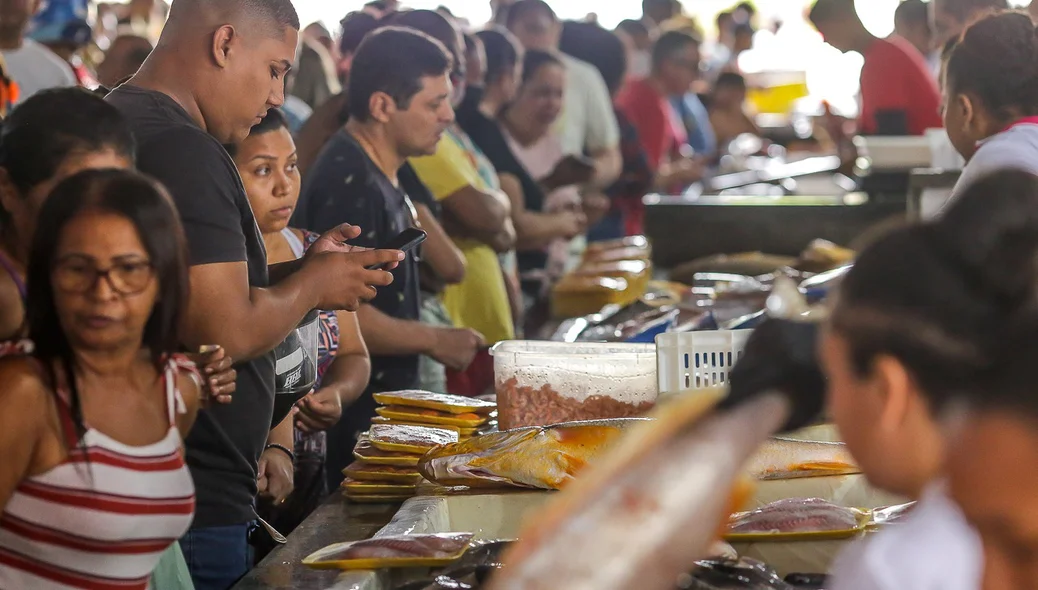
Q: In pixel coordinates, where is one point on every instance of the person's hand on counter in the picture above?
(781, 357)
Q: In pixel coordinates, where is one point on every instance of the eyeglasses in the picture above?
(78, 276)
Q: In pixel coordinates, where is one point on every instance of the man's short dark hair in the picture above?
(355, 27)
(634, 28)
(524, 7)
(912, 12)
(830, 10)
(730, 80)
(279, 14)
(670, 44)
(393, 60)
(964, 9)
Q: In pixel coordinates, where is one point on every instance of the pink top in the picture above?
(539, 159)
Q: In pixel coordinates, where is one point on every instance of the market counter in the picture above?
(336, 520)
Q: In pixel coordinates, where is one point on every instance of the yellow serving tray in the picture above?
(363, 471)
(377, 499)
(364, 449)
(864, 518)
(441, 402)
(368, 488)
(401, 415)
(319, 560)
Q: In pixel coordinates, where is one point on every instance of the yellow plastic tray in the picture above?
(367, 488)
(320, 559)
(387, 420)
(378, 499)
(864, 518)
(366, 452)
(441, 402)
(417, 439)
(402, 415)
(361, 471)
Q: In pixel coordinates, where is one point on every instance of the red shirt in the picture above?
(658, 126)
(896, 77)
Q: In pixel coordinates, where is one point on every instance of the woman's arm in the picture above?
(343, 382)
(439, 250)
(23, 425)
(535, 230)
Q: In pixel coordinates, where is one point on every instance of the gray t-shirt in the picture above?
(34, 68)
(1015, 149)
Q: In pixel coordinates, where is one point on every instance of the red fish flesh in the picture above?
(404, 547)
(795, 515)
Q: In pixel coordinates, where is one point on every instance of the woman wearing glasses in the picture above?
(93, 485)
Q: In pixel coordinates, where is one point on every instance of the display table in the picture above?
(336, 520)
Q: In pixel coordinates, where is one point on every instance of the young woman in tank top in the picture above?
(93, 485)
(267, 162)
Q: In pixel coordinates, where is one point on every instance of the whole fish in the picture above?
(543, 457)
(795, 515)
(788, 458)
(643, 513)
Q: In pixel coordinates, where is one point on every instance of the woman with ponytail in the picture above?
(932, 318)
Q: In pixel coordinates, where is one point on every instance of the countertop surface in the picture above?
(335, 521)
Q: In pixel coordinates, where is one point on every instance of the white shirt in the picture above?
(1015, 148)
(588, 120)
(34, 68)
(933, 548)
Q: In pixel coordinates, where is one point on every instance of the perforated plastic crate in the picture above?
(697, 360)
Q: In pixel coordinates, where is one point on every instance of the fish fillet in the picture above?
(543, 458)
(642, 515)
(787, 458)
(404, 546)
(795, 515)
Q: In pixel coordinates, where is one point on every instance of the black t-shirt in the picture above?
(488, 137)
(345, 186)
(226, 442)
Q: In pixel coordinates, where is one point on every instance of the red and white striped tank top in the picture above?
(101, 519)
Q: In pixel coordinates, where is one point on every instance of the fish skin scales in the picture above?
(424, 546)
(795, 516)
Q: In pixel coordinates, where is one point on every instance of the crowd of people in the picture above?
(172, 234)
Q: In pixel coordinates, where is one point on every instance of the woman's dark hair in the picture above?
(956, 300)
(995, 62)
(355, 27)
(42, 132)
(393, 60)
(599, 47)
(534, 60)
(274, 120)
(634, 28)
(146, 204)
(730, 80)
(964, 9)
(503, 52)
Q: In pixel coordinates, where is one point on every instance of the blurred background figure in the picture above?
(912, 23)
(727, 106)
(122, 60)
(31, 65)
(950, 17)
(144, 18)
(657, 12)
(69, 40)
(637, 41)
(316, 76)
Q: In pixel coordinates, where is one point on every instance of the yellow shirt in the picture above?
(479, 302)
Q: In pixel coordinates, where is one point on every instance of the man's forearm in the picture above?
(608, 166)
(389, 336)
(251, 327)
(283, 434)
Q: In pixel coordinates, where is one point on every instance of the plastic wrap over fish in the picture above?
(543, 458)
(647, 510)
(730, 574)
(789, 458)
(795, 515)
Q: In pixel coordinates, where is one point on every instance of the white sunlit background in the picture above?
(797, 47)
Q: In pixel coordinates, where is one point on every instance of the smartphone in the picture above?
(405, 241)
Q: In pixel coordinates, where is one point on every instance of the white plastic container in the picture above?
(697, 360)
(542, 383)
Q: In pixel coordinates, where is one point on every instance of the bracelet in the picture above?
(283, 449)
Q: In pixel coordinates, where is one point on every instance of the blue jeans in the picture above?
(217, 556)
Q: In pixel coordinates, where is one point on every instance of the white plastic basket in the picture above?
(697, 360)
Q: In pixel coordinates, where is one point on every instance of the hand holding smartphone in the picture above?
(405, 241)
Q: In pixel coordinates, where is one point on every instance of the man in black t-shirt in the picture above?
(217, 69)
(399, 105)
